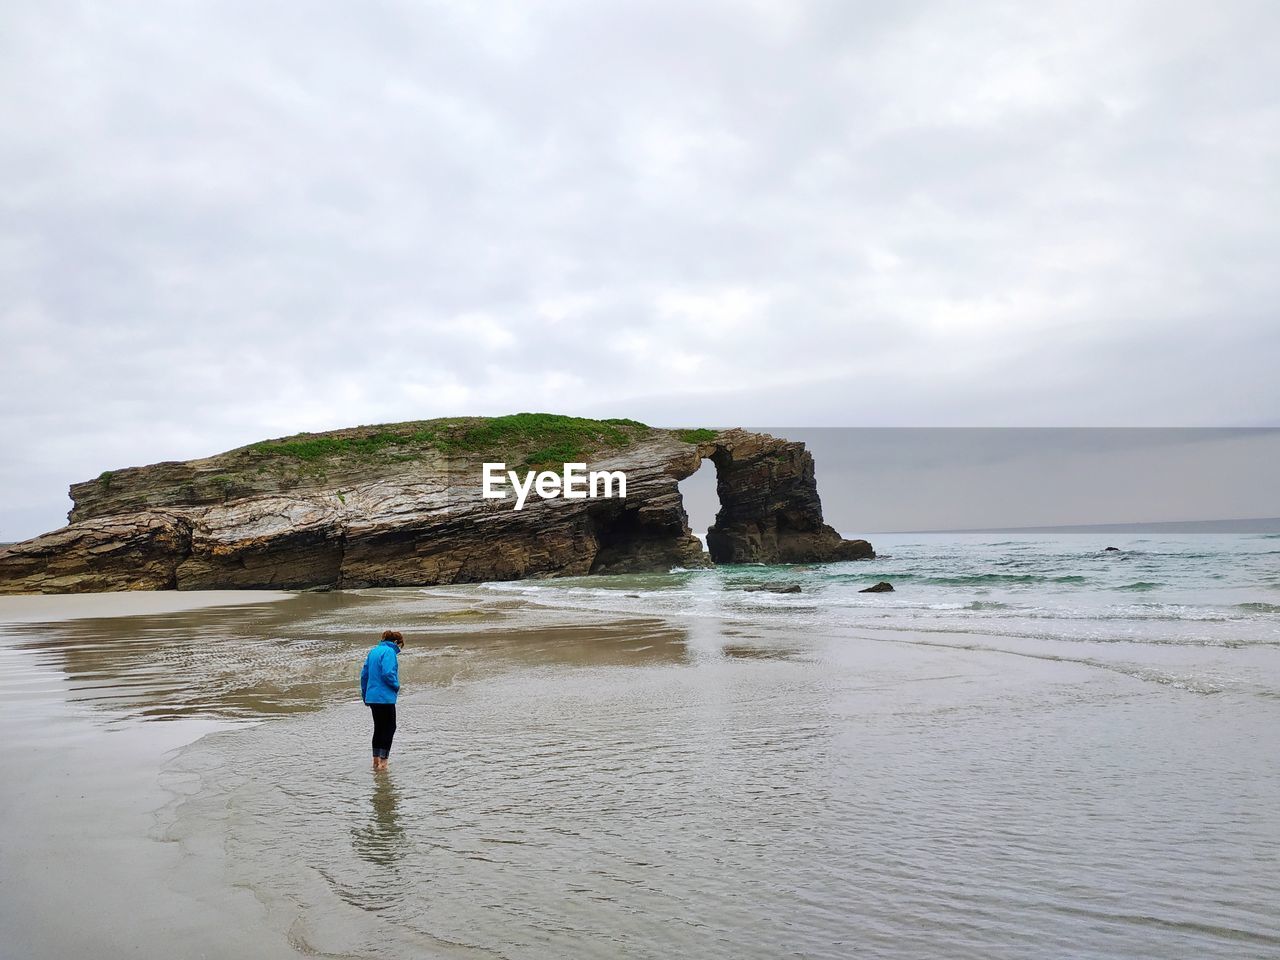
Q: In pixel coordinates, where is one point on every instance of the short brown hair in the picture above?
(392, 635)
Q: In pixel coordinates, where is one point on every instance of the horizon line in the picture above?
(1267, 525)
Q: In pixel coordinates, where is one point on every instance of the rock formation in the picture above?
(401, 505)
(769, 506)
(884, 586)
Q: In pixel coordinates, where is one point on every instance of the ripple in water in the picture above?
(863, 799)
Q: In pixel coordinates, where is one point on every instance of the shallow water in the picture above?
(668, 765)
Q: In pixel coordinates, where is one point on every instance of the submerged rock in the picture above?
(884, 586)
(773, 588)
(402, 505)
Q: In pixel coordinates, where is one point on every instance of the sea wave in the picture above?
(1259, 607)
(871, 575)
(979, 579)
(1007, 633)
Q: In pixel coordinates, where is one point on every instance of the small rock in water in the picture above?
(884, 586)
(1111, 550)
(773, 588)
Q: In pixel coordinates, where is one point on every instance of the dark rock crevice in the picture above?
(635, 539)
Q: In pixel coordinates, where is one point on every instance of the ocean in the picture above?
(1032, 748)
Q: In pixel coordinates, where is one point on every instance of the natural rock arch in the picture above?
(770, 511)
(395, 514)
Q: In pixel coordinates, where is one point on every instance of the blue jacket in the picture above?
(380, 678)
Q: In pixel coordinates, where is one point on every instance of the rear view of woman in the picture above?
(379, 684)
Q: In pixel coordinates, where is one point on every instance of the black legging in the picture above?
(384, 727)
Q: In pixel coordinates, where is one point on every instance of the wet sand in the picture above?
(40, 608)
(87, 868)
(83, 874)
(192, 781)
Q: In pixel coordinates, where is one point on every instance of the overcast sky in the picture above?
(221, 221)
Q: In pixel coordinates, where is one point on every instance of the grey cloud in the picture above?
(222, 221)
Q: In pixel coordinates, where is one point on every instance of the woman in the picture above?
(379, 684)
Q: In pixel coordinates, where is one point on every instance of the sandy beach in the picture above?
(83, 874)
(83, 871)
(663, 765)
(87, 866)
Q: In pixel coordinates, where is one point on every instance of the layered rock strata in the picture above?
(401, 505)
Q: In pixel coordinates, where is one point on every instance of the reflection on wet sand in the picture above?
(380, 842)
(303, 653)
(757, 788)
(742, 651)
